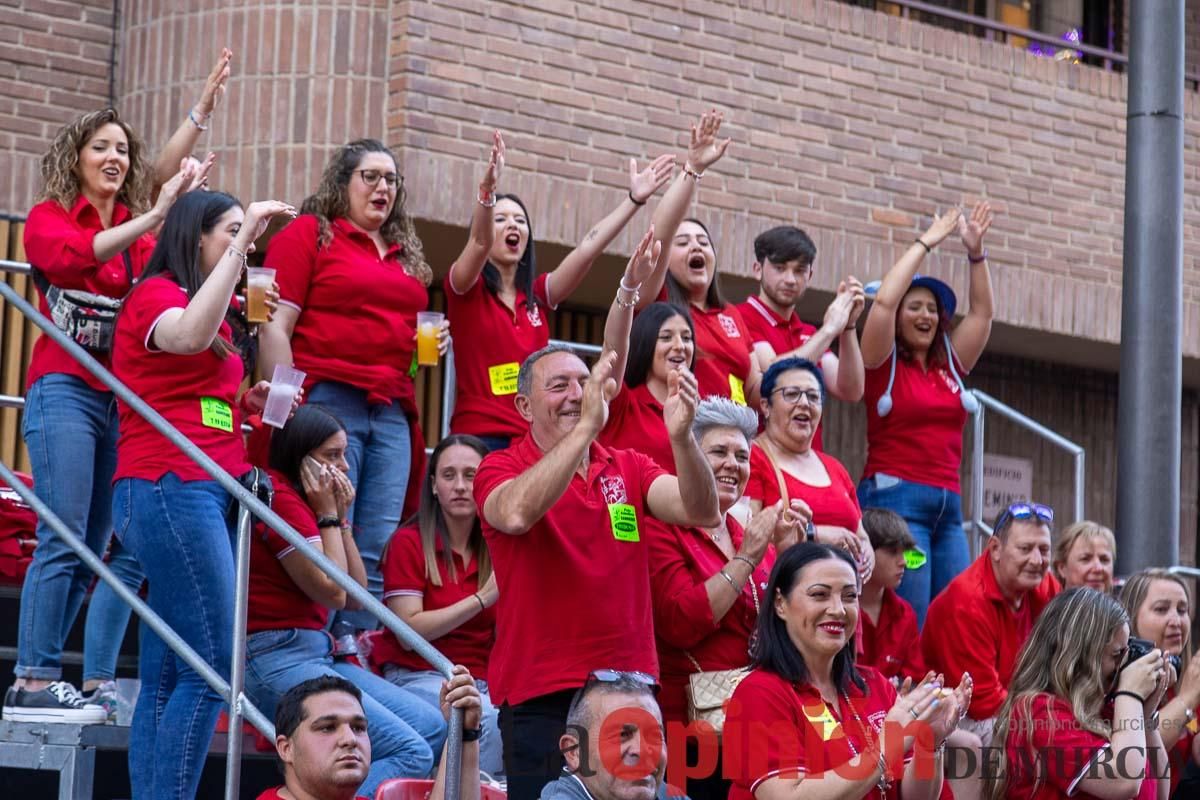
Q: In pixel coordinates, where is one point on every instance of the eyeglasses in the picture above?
(792, 394)
(371, 177)
(1025, 511)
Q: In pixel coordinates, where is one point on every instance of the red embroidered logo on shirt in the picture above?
(730, 327)
(947, 379)
(613, 490)
(535, 316)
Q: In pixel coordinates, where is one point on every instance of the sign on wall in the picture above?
(1006, 480)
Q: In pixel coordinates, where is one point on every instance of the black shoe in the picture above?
(58, 702)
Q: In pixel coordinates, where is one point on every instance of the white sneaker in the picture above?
(106, 696)
(58, 702)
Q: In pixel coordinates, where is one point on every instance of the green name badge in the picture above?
(216, 413)
(624, 522)
(915, 558)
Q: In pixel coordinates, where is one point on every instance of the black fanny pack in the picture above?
(89, 319)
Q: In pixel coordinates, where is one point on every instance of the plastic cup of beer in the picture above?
(428, 325)
(258, 282)
(285, 383)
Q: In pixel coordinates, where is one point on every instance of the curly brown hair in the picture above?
(60, 181)
(330, 202)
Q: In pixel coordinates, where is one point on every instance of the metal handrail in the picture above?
(987, 402)
(249, 503)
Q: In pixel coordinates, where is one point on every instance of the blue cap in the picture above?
(941, 291)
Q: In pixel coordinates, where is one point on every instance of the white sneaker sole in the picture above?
(51, 715)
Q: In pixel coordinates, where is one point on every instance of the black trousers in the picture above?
(531, 731)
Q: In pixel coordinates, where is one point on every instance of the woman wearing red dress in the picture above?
(497, 303)
(807, 721)
(792, 400)
(1076, 701)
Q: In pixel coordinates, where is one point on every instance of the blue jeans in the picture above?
(406, 733)
(427, 685)
(108, 616)
(177, 531)
(70, 430)
(934, 518)
(380, 456)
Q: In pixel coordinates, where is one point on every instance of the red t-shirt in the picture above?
(835, 504)
(1066, 751)
(891, 644)
(197, 394)
(784, 335)
(723, 347)
(276, 602)
(776, 728)
(635, 422)
(273, 794)
(681, 560)
(921, 439)
(403, 569)
(970, 627)
(358, 312)
(492, 342)
(574, 596)
(58, 241)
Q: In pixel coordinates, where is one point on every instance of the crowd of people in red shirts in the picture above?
(666, 517)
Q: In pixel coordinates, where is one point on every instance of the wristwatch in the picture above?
(472, 734)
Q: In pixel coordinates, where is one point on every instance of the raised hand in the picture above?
(643, 261)
(599, 390)
(460, 692)
(760, 531)
(495, 166)
(259, 215)
(950, 708)
(858, 300)
(172, 189)
(971, 230)
(792, 525)
(200, 178)
(643, 184)
(214, 85)
(837, 313)
(317, 481)
(941, 227)
(705, 149)
(679, 409)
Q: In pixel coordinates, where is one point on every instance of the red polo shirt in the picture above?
(970, 627)
(358, 312)
(890, 644)
(635, 422)
(59, 241)
(784, 335)
(921, 439)
(273, 794)
(1045, 726)
(469, 644)
(723, 347)
(575, 597)
(774, 727)
(197, 394)
(276, 602)
(681, 560)
(491, 342)
(835, 504)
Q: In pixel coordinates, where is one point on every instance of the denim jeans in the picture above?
(380, 454)
(427, 685)
(934, 518)
(70, 430)
(406, 733)
(177, 531)
(108, 616)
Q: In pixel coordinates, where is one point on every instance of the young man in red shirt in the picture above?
(982, 618)
(783, 265)
(563, 519)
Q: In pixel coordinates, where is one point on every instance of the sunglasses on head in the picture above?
(1022, 511)
(614, 675)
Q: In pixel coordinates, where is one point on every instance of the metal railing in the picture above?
(239, 705)
(986, 403)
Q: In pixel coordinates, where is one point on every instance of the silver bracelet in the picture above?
(195, 118)
(239, 254)
(729, 578)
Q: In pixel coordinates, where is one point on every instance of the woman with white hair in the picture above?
(707, 583)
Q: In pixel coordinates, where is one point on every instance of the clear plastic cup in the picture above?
(428, 324)
(285, 383)
(258, 283)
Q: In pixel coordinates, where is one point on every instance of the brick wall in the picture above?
(55, 62)
(849, 122)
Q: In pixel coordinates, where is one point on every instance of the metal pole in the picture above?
(449, 387)
(152, 620)
(454, 746)
(237, 669)
(977, 439)
(1080, 486)
(1148, 415)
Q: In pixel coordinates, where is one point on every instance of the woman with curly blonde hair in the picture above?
(88, 240)
(1077, 705)
(352, 278)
